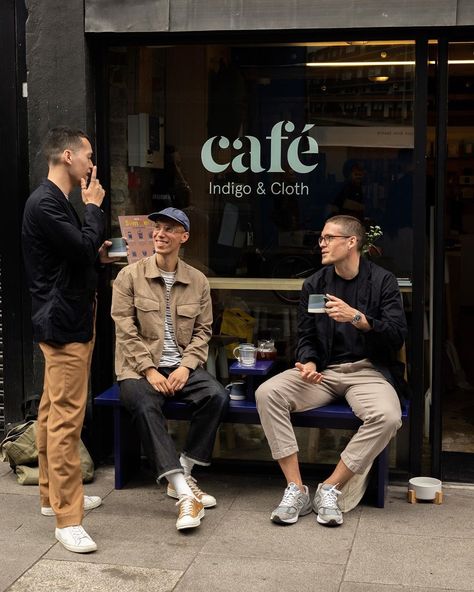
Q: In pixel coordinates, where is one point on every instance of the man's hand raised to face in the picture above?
(94, 192)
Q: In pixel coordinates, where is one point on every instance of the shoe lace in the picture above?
(185, 503)
(289, 496)
(191, 481)
(329, 497)
(78, 533)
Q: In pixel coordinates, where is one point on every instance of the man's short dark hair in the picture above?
(350, 226)
(59, 139)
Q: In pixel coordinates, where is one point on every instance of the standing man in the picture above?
(163, 319)
(61, 256)
(350, 353)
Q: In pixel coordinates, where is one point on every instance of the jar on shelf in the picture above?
(266, 349)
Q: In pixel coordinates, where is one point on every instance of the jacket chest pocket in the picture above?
(185, 320)
(149, 317)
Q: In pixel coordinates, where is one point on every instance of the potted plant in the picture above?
(372, 234)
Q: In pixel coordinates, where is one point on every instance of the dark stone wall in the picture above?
(58, 74)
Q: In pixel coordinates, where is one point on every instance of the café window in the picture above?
(260, 145)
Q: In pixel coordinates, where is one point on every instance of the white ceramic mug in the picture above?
(246, 354)
(236, 390)
(317, 303)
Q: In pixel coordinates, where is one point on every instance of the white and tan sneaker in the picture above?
(208, 501)
(75, 539)
(190, 512)
(90, 502)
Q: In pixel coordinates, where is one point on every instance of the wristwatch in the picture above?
(356, 318)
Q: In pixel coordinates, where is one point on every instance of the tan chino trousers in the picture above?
(371, 397)
(60, 419)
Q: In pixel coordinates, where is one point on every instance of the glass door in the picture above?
(457, 385)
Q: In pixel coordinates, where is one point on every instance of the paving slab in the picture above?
(453, 518)
(252, 534)
(5, 468)
(407, 560)
(259, 497)
(265, 498)
(24, 536)
(153, 500)
(68, 576)
(9, 484)
(237, 574)
(355, 587)
(103, 482)
(138, 529)
(102, 485)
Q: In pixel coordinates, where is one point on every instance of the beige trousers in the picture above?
(371, 397)
(60, 418)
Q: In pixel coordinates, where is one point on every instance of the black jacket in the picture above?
(379, 299)
(60, 256)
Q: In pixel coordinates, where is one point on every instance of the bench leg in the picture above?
(382, 477)
(126, 448)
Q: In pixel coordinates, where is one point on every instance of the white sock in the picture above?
(178, 483)
(187, 465)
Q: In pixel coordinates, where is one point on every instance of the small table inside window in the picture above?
(261, 368)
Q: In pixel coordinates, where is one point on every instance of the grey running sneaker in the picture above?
(325, 505)
(294, 503)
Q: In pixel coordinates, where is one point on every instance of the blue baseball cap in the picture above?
(174, 214)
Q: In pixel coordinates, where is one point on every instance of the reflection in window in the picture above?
(260, 145)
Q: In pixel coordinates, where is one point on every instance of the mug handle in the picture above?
(233, 353)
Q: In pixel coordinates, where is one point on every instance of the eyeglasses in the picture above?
(168, 229)
(328, 238)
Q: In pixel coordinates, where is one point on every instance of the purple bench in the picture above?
(127, 445)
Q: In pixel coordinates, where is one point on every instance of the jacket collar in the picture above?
(153, 271)
(63, 200)
(56, 191)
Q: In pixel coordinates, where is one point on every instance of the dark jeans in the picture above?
(208, 400)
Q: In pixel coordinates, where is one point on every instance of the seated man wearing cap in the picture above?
(163, 315)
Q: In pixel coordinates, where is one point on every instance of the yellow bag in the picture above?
(237, 323)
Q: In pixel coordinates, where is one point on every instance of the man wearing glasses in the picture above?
(348, 352)
(163, 317)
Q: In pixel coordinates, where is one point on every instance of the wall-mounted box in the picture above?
(146, 140)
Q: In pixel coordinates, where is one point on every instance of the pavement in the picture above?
(419, 547)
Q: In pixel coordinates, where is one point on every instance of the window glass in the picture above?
(260, 145)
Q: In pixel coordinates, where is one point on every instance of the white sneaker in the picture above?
(75, 539)
(191, 511)
(90, 502)
(208, 501)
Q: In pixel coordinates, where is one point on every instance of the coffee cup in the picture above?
(246, 354)
(118, 248)
(236, 390)
(317, 303)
